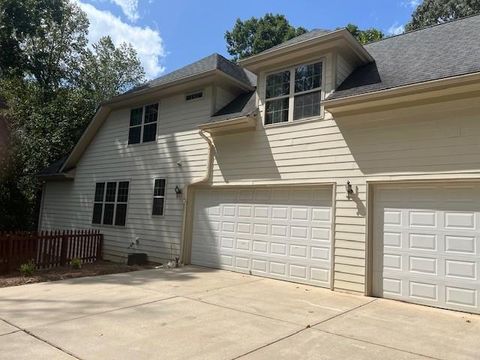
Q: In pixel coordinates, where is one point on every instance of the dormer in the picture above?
(296, 76)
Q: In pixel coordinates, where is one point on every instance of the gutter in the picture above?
(187, 189)
(246, 121)
(417, 88)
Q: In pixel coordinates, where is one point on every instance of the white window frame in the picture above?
(292, 94)
(142, 124)
(104, 202)
(159, 197)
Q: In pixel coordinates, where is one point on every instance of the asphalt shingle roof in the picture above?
(242, 105)
(53, 168)
(437, 52)
(297, 39)
(209, 63)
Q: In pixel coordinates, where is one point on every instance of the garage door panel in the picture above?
(426, 245)
(285, 234)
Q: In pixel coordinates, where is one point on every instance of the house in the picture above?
(318, 161)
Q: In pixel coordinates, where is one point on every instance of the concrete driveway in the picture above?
(197, 313)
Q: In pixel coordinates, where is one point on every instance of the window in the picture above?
(143, 124)
(194, 96)
(158, 197)
(110, 203)
(293, 94)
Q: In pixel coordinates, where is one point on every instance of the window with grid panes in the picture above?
(110, 203)
(143, 124)
(293, 94)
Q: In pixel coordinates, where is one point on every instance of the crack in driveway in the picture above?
(25, 331)
(309, 326)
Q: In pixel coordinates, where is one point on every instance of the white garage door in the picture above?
(279, 233)
(427, 245)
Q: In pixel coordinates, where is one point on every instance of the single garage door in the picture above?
(427, 245)
(279, 233)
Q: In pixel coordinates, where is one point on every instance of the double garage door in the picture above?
(427, 245)
(283, 233)
(426, 239)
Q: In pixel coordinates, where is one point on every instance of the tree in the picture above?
(255, 35)
(52, 83)
(365, 36)
(44, 40)
(110, 70)
(431, 12)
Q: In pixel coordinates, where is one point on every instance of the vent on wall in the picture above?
(194, 96)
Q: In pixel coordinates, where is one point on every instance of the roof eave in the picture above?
(239, 123)
(362, 53)
(63, 176)
(87, 136)
(404, 94)
(121, 98)
(128, 96)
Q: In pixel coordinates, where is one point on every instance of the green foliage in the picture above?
(52, 83)
(365, 36)
(431, 12)
(109, 71)
(27, 269)
(255, 35)
(76, 263)
(45, 40)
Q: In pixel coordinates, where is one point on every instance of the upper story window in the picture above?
(293, 94)
(143, 124)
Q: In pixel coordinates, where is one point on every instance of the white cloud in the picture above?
(411, 3)
(396, 29)
(146, 41)
(129, 8)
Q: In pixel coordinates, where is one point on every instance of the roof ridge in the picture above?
(423, 28)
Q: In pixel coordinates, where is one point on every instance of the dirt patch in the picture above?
(67, 272)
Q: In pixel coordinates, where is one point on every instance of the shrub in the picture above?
(27, 269)
(76, 263)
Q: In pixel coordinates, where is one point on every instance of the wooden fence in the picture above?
(49, 248)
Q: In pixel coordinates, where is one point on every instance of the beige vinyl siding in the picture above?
(109, 158)
(344, 68)
(428, 141)
(435, 141)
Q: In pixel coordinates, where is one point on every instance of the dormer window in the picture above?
(143, 124)
(293, 94)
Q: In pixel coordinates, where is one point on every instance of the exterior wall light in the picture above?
(178, 191)
(349, 189)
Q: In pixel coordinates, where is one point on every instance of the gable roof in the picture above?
(209, 63)
(298, 39)
(317, 39)
(433, 53)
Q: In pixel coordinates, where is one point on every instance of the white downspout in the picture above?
(211, 150)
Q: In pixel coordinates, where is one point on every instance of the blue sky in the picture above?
(171, 34)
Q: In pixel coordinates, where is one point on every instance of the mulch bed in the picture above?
(67, 272)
